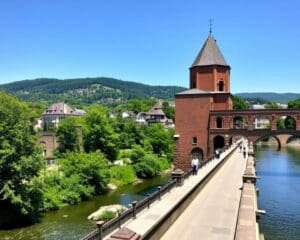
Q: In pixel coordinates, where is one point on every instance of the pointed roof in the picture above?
(62, 108)
(210, 54)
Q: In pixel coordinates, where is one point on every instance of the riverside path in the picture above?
(213, 213)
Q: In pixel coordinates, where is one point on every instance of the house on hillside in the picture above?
(51, 118)
(57, 112)
(140, 118)
(157, 115)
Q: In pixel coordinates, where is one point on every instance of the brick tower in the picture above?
(209, 90)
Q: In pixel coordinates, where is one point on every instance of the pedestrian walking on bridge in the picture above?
(195, 165)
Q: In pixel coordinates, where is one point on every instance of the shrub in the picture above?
(60, 191)
(148, 167)
(137, 154)
(92, 168)
(107, 215)
(122, 175)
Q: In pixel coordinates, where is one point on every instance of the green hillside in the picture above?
(86, 90)
(270, 96)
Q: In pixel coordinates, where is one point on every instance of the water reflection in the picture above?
(279, 191)
(71, 222)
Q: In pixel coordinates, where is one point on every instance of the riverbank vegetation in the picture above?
(85, 159)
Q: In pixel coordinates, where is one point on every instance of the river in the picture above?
(71, 222)
(279, 192)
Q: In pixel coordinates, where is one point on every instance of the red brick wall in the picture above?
(207, 78)
(222, 102)
(192, 119)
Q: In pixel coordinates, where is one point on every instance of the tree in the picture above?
(272, 106)
(160, 138)
(92, 169)
(68, 135)
(20, 164)
(294, 104)
(239, 103)
(99, 132)
(169, 110)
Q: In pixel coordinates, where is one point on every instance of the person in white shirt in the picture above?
(195, 165)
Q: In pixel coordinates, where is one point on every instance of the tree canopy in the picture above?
(20, 163)
(294, 104)
(99, 133)
(239, 103)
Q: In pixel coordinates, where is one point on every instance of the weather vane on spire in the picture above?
(210, 25)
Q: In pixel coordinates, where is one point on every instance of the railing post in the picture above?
(134, 209)
(159, 192)
(178, 175)
(148, 200)
(119, 219)
(100, 227)
(169, 187)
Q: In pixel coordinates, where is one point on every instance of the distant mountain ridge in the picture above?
(108, 90)
(86, 90)
(283, 98)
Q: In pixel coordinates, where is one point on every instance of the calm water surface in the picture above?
(71, 222)
(279, 192)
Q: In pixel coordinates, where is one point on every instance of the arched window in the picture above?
(219, 142)
(219, 122)
(221, 86)
(198, 153)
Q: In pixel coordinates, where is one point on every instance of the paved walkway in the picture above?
(188, 224)
(213, 213)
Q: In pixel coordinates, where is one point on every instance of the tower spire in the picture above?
(210, 26)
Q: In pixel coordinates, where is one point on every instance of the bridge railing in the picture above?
(137, 206)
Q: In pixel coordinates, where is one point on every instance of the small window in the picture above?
(194, 140)
(221, 86)
(219, 122)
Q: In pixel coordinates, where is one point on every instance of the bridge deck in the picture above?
(213, 213)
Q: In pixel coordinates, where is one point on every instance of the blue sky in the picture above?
(152, 42)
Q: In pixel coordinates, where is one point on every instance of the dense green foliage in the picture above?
(150, 166)
(272, 106)
(28, 187)
(91, 168)
(86, 90)
(239, 103)
(106, 215)
(129, 132)
(136, 105)
(68, 135)
(79, 176)
(286, 123)
(294, 104)
(169, 110)
(61, 190)
(160, 139)
(122, 175)
(268, 97)
(99, 133)
(20, 163)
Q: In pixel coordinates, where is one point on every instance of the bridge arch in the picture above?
(286, 122)
(261, 122)
(239, 122)
(293, 138)
(268, 136)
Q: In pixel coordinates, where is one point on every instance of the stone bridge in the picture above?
(227, 125)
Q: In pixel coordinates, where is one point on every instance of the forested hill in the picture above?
(270, 96)
(86, 90)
